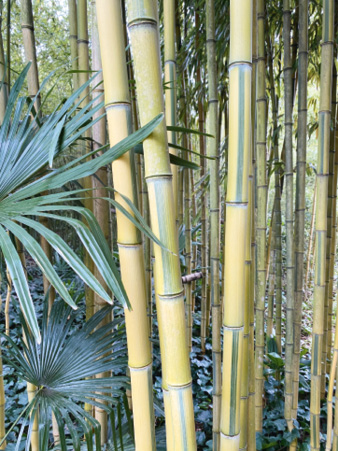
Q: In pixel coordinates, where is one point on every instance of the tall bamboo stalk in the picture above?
(334, 219)
(99, 181)
(300, 195)
(170, 86)
(331, 213)
(3, 72)
(203, 196)
(261, 191)
(311, 243)
(236, 218)
(119, 115)
(72, 15)
(321, 218)
(144, 38)
(288, 212)
(212, 151)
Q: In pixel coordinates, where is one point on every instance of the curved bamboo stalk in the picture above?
(261, 212)
(3, 72)
(144, 38)
(300, 196)
(321, 218)
(119, 115)
(212, 151)
(236, 218)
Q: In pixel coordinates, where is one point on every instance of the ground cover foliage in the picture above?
(275, 436)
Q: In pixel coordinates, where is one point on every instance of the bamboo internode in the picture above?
(143, 31)
(236, 219)
(119, 115)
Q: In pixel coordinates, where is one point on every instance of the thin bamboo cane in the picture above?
(261, 189)
(287, 69)
(3, 72)
(170, 86)
(311, 243)
(321, 218)
(236, 218)
(300, 197)
(335, 430)
(119, 115)
(331, 219)
(72, 15)
(212, 151)
(7, 303)
(8, 44)
(144, 38)
(334, 223)
(251, 352)
(99, 181)
(203, 197)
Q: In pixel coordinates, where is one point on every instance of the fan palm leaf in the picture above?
(27, 146)
(60, 367)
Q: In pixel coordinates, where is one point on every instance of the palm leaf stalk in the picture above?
(119, 115)
(288, 213)
(331, 213)
(72, 15)
(176, 377)
(61, 365)
(236, 218)
(300, 198)
(213, 152)
(99, 181)
(321, 218)
(261, 190)
(251, 352)
(169, 17)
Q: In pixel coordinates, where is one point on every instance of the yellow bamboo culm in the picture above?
(170, 84)
(236, 219)
(144, 38)
(119, 116)
(324, 120)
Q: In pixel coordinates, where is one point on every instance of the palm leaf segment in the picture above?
(26, 148)
(60, 367)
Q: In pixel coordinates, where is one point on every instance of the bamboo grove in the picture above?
(222, 221)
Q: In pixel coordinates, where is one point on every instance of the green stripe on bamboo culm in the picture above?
(316, 355)
(235, 380)
(241, 118)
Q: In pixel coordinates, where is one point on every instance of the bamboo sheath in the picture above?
(261, 189)
(119, 115)
(212, 151)
(72, 15)
(236, 219)
(321, 219)
(300, 197)
(144, 37)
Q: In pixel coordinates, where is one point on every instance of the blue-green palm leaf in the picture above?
(28, 146)
(62, 368)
